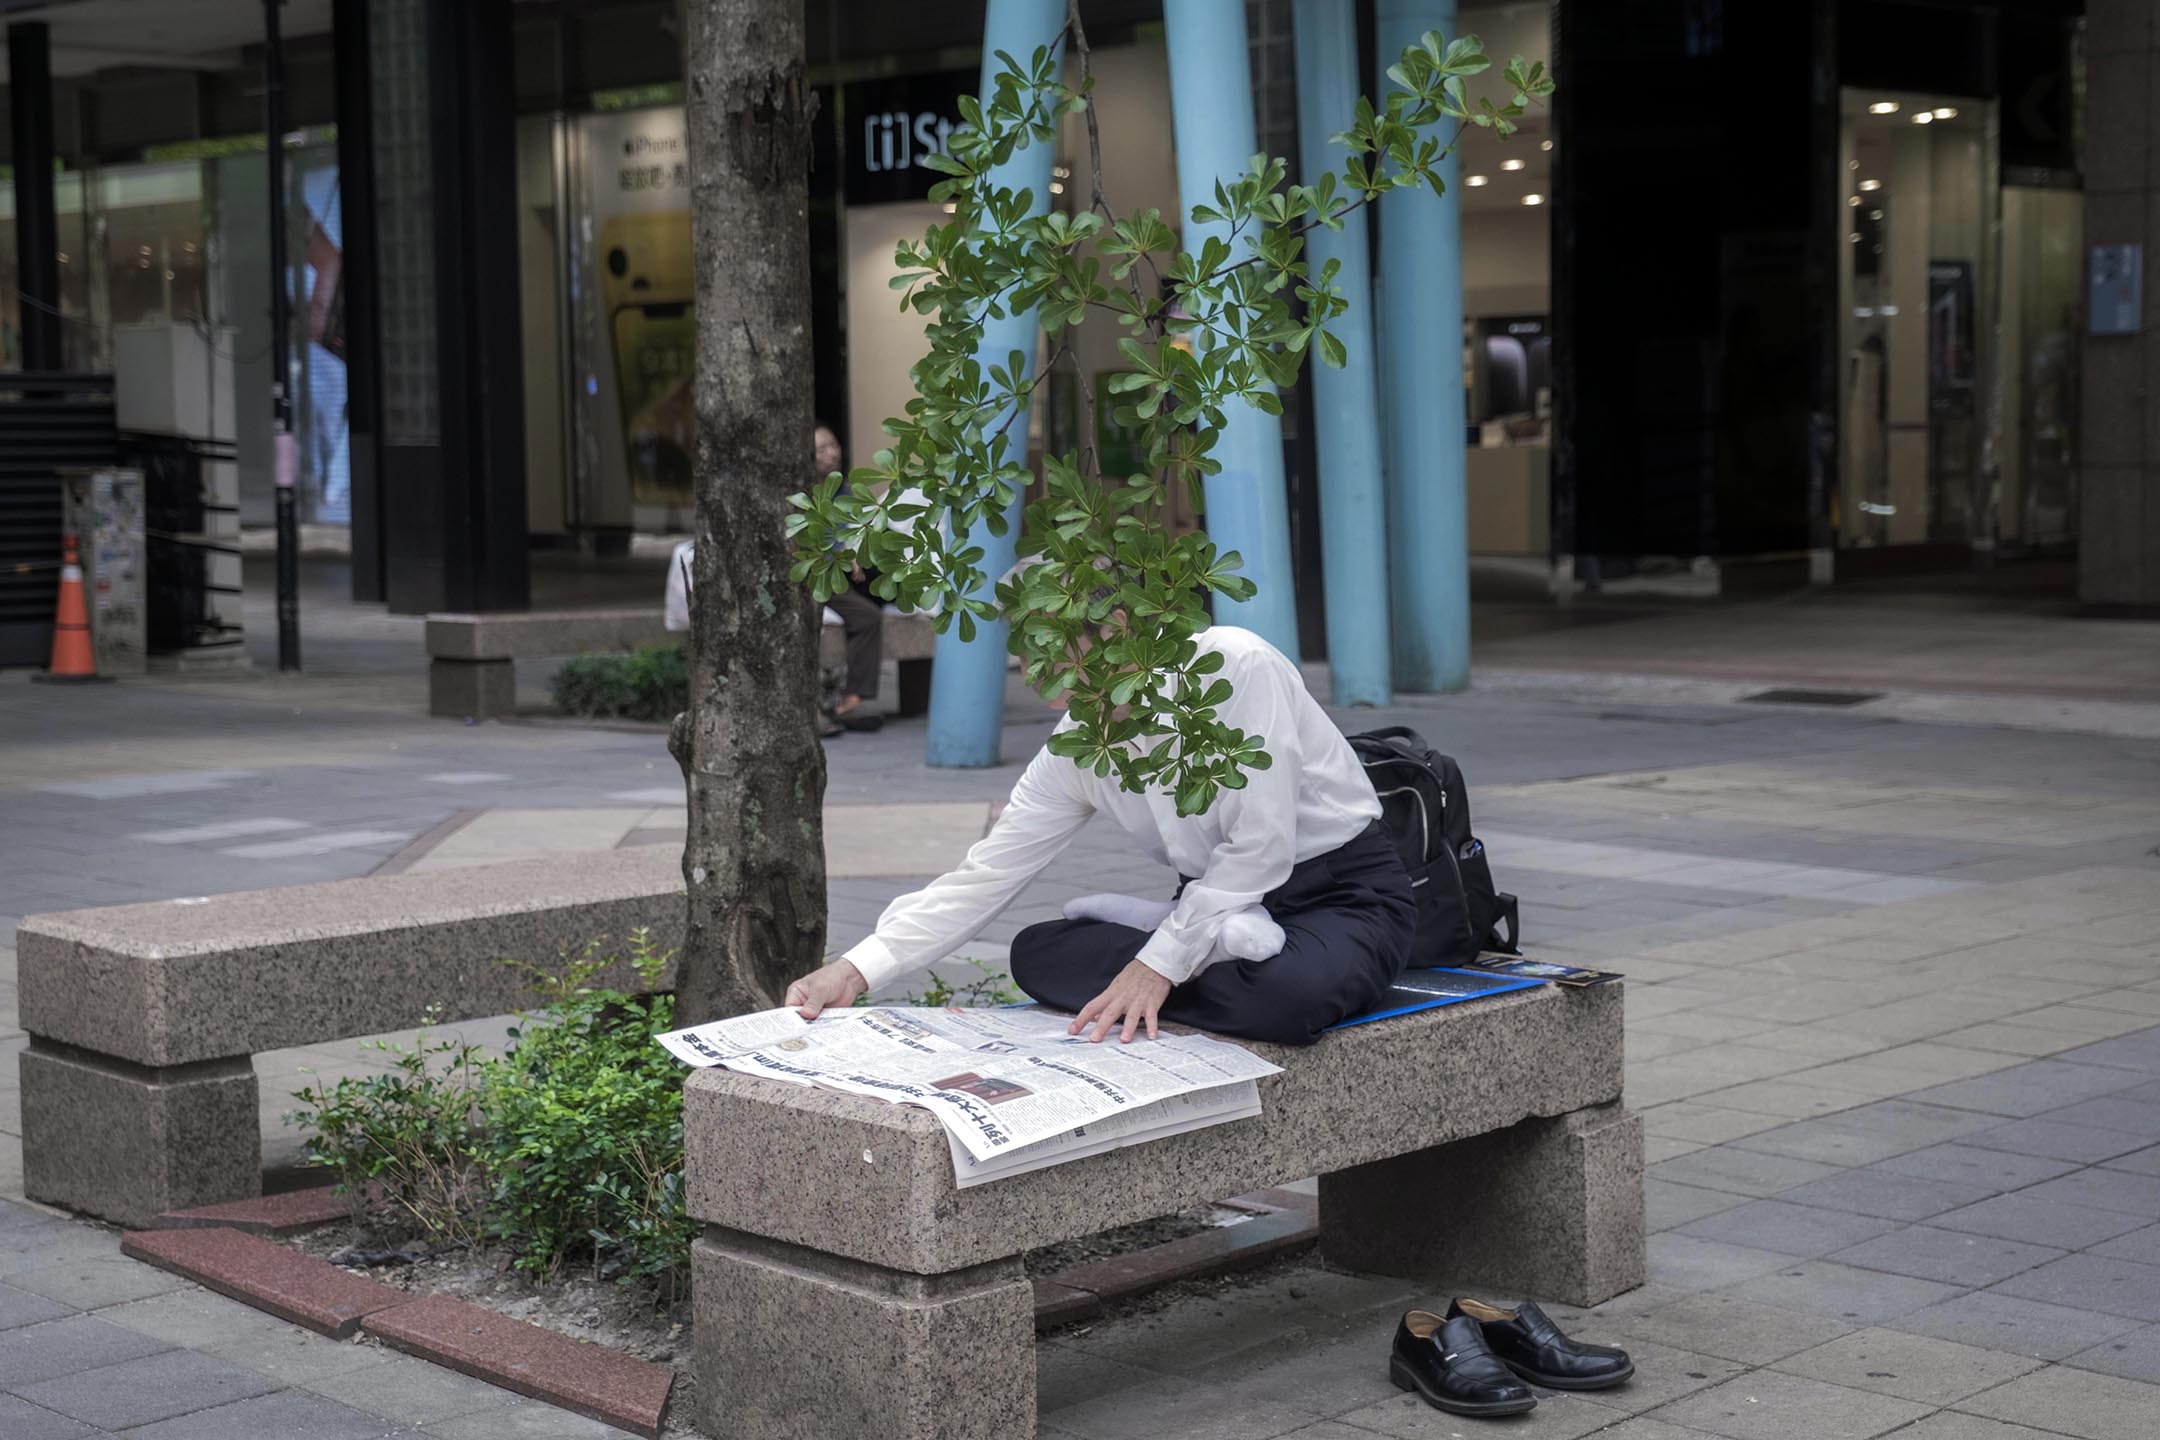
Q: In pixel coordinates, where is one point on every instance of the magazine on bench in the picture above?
(1013, 1090)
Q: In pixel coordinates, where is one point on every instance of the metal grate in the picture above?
(48, 423)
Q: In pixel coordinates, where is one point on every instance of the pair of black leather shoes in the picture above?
(1474, 1359)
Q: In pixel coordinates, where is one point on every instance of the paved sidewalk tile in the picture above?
(1957, 1425)
(92, 1282)
(285, 1415)
(2101, 1189)
(1742, 1172)
(20, 1307)
(2030, 1089)
(2020, 1327)
(1174, 1405)
(2038, 1222)
(1886, 1194)
(1994, 1170)
(1687, 1263)
(1912, 1367)
(410, 1392)
(520, 1420)
(1787, 1229)
(1843, 1293)
(1670, 1204)
(2142, 1246)
(61, 1347)
(2073, 1402)
(2056, 1138)
(1732, 1329)
(1954, 1257)
(2135, 1356)
(2092, 1282)
(136, 1392)
(1764, 1405)
(21, 1420)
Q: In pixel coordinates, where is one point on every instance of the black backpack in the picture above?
(1426, 808)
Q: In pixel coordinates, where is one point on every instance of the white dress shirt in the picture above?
(1313, 799)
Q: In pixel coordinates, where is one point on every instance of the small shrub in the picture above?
(649, 683)
(988, 987)
(581, 1136)
(407, 1136)
(568, 1149)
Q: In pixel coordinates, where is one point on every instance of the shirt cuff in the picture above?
(874, 960)
(1161, 955)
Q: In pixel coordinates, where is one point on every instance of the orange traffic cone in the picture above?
(73, 661)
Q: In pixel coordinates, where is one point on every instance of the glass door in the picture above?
(1917, 278)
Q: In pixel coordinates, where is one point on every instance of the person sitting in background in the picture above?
(862, 621)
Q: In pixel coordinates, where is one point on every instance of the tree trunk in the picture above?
(755, 859)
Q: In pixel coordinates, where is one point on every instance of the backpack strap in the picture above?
(1510, 918)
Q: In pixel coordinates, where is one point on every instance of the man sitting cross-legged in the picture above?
(1298, 854)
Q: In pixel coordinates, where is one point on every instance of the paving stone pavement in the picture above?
(1894, 1027)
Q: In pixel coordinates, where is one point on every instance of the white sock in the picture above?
(1121, 910)
(1250, 934)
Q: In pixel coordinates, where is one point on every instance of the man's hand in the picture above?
(1134, 997)
(832, 986)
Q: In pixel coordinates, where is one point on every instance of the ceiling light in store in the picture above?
(1473, 181)
(1883, 107)
(1863, 312)
(1854, 237)
(63, 257)
(1544, 145)
(1871, 185)
(1063, 172)
(1056, 188)
(1852, 200)
(1874, 214)
(1533, 198)
(1511, 164)
(1887, 309)
(1925, 117)
(1852, 164)
(952, 207)
(1946, 112)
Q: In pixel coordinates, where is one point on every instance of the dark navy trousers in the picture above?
(1346, 916)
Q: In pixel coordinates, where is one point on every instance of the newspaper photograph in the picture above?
(1000, 1080)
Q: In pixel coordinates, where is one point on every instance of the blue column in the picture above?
(1346, 402)
(1211, 114)
(1421, 378)
(967, 682)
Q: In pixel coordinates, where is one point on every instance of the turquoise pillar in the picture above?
(1421, 378)
(967, 682)
(1346, 402)
(1211, 116)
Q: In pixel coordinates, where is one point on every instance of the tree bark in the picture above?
(754, 862)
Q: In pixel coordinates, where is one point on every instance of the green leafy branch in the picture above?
(1105, 614)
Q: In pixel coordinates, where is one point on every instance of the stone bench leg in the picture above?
(481, 689)
(914, 687)
(1544, 1210)
(793, 1344)
(128, 1142)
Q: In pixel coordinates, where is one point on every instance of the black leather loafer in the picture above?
(1533, 1347)
(1447, 1363)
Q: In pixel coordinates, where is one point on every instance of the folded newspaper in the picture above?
(1015, 1092)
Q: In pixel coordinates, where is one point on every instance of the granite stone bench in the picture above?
(138, 1091)
(845, 1286)
(472, 669)
(472, 658)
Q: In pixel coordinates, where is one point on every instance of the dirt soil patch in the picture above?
(638, 1318)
